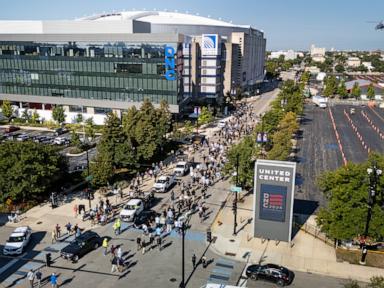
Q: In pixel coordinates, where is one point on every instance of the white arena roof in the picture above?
(161, 17)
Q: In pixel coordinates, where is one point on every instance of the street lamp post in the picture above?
(182, 284)
(235, 200)
(374, 174)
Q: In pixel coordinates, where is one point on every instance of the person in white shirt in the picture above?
(31, 277)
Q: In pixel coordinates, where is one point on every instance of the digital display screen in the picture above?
(273, 202)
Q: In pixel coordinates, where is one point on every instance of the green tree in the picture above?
(371, 92)
(79, 118)
(7, 109)
(146, 134)
(164, 117)
(330, 86)
(205, 116)
(376, 282)
(281, 140)
(58, 114)
(75, 139)
(112, 136)
(342, 90)
(89, 128)
(356, 91)
(347, 192)
(246, 151)
(29, 171)
(35, 116)
(101, 170)
(188, 127)
(26, 115)
(339, 68)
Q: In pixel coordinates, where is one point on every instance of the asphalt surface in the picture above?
(163, 268)
(303, 280)
(318, 152)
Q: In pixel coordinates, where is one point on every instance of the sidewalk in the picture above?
(43, 218)
(307, 253)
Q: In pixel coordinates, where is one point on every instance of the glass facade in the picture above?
(101, 71)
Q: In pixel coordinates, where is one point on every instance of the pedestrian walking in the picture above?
(114, 264)
(138, 242)
(194, 261)
(119, 252)
(204, 261)
(158, 242)
(113, 250)
(75, 210)
(53, 280)
(68, 226)
(58, 230)
(31, 277)
(78, 232)
(143, 244)
(39, 276)
(105, 246)
(118, 226)
(53, 236)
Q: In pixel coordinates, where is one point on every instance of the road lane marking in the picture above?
(11, 263)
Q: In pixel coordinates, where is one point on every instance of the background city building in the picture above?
(110, 62)
(317, 54)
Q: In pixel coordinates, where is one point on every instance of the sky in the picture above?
(287, 24)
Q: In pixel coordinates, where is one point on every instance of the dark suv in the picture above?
(270, 272)
(86, 242)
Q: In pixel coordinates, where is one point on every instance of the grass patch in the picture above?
(374, 258)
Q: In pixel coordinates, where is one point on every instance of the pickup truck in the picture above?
(164, 182)
(181, 168)
(133, 208)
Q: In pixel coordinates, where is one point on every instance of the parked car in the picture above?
(130, 211)
(22, 137)
(61, 141)
(221, 124)
(18, 240)
(270, 272)
(181, 168)
(83, 244)
(164, 182)
(60, 131)
(144, 217)
(10, 129)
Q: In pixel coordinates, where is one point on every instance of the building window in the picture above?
(204, 72)
(129, 68)
(160, 69)
(99, 110)
(75, 108)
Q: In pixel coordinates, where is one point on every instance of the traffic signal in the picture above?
(209, 236)
(48, 259)
(234, 206)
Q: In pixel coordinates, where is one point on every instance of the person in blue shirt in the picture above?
(53, 280)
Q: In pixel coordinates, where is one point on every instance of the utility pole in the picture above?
(374, 174)
(235, 200)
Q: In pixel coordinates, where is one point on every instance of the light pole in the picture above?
(234, 208)
(182, 284)
(86, 147)
(374, 173)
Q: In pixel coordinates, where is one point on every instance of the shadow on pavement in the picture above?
(37, 237)
(302, 210)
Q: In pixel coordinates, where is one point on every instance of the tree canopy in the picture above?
(205, 116)
(371, 92)
(347, 192)
(6, 109)
(356, 91)
(58, 114)
(29, 171)
(132, 141)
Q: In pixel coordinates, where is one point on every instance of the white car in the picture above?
(133, 208)
(221, 124)
(163, 183)
(18, 240)
(181, 168)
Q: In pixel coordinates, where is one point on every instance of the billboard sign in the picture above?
(210, 44)
(273, 199)
(169, 63)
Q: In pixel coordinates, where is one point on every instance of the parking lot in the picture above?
(319, 150)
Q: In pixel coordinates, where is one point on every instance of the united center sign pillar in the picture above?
(274, 188)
